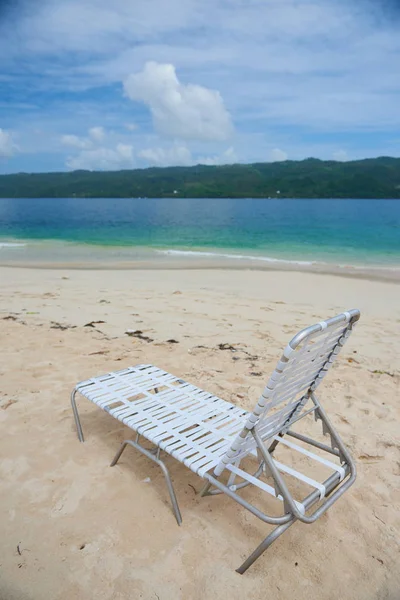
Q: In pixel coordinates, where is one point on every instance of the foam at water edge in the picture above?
(199, 254)
(11, 245)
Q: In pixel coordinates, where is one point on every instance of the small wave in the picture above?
(11, 245)
(199, 254)
(371, 267)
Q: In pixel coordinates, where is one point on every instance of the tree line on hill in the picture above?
(310, 178)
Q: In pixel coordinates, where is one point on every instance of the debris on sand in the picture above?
(226, 347)
(138, 334)
(55, 325)
(93, 323)
(8, 404)
(379, 372)
(237, 349)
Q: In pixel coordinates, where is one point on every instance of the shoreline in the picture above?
(369, 273)
(67, 255)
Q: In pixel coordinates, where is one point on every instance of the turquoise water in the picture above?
(335, 231)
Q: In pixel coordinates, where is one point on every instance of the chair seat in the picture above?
(188, 423)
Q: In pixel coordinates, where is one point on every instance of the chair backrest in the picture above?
(304, 363)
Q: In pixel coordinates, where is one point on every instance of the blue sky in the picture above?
(96, 84)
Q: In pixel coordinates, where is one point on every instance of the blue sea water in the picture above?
(335, 231)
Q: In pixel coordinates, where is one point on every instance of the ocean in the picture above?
(338, 232)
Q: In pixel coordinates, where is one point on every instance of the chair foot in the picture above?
(76, 416)
(263, 546)
(204, 490)
(156, 459)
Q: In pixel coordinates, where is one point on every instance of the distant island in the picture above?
(310, 178)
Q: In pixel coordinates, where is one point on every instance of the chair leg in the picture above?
(164, 469)
(76, 416)
(274, 444)
(264, 545)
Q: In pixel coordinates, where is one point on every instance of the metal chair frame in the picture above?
(264, 445)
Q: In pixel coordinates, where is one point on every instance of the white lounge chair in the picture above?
(219, 441)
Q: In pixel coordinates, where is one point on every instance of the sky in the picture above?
(94, 84)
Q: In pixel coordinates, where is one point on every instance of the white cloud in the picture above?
(277, 155)
(345, 53)
(131, 126)
(103, 159)
(95, 26)
(226, 158)
(7, 146)
(179, 110)
(125, 151)
(179, 154)
(75, 142)
(97, 134)
(340, 155)
(94, 156)
(164, 157)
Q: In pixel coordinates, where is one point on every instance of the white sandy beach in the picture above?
(73, 528)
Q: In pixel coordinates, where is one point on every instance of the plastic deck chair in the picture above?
(231, 448)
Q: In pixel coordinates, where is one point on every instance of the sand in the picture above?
(73, 528)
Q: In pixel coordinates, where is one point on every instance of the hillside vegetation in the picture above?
(310, 178)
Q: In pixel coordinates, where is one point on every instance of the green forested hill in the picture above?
(310, 178)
